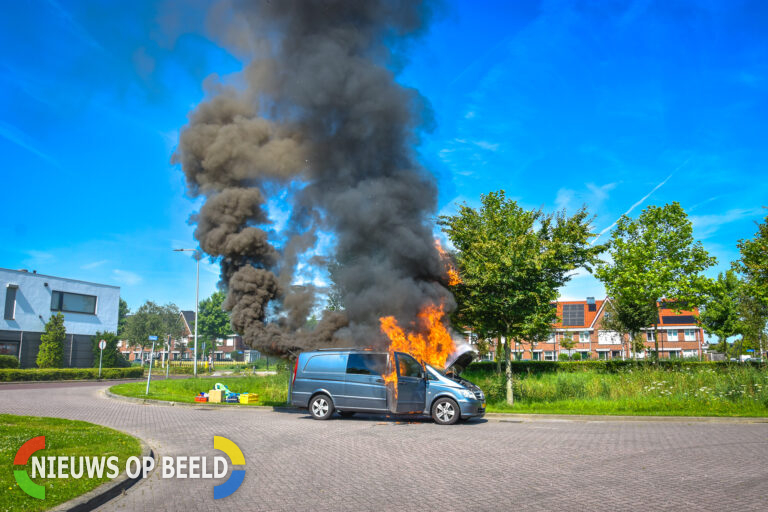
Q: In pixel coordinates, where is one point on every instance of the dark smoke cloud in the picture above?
(317, 106)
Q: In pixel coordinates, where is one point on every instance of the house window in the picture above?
(73, 303)
(10, 301)
(602, 355)
(674, 354)
(549, 355)
(690, 353)
(537, 356)
(9, 349)
(672, 335)
(649, 336)
(690, 335)
(616, 354)
(584, 337)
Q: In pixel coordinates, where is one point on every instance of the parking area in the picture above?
(377, 463)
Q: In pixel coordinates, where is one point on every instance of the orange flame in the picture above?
(431, 344)
(450, 269)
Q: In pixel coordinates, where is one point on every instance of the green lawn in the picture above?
(62, 437)
(272, 389)
(736, 391)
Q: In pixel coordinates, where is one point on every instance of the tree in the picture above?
(111, 356)
(212, 321)
(512, 262)
(655, 258)
(122, 316)
(567, 342)
(51, 353)
(720, 315)
(153, 320)
(628, 319)
(753, 267)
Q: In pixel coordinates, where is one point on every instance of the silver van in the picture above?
(350, 381)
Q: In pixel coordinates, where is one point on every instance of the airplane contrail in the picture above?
(641, 201)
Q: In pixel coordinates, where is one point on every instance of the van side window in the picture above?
(367, 364)
(407, 366)
(328, 363)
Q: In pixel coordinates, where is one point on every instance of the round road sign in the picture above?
(102, 344)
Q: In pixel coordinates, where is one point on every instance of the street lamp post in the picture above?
(197, 297)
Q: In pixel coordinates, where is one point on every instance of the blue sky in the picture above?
(616, 105)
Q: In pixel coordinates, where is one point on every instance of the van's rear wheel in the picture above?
(321, 407)
(445, 411)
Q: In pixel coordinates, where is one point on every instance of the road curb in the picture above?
(14, 382)
(519, 418)
(105, 492)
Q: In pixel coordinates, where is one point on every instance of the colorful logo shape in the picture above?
(22, 477)
(235, 479)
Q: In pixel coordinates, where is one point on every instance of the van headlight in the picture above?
(466, 393)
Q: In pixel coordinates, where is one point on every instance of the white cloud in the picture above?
(126, 277)
(94, 264)
(707, 225)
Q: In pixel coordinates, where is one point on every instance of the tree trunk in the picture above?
(510, 394)
(498, 354)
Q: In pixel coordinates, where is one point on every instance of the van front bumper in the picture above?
(472, 408)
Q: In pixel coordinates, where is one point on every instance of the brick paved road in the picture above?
(370, 463)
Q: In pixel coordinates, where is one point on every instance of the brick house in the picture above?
(580, 321)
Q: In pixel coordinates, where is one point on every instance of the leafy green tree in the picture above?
(213, 322)
(111, 357)
(122, 316)
(152, 319)
(654, 258)
(512, 262)
(51, 353)
(628, 319)
(720, 315)
(753, 267)
(567, 342)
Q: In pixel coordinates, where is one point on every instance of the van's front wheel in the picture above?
(445, 411)
(321, 407)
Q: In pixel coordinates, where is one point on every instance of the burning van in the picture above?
(354, 380)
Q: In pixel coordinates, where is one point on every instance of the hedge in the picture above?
(9, 362)
(69, 374)
(609, 366)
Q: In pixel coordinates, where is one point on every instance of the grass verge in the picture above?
(734, 391)
(272, 389)
(729, 391)
(62, 438)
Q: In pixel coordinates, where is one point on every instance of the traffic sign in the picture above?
(750, 350)
(153, 338)
(102, 344)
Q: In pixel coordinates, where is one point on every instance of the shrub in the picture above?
(51, 353)
(111, 356)
(9, 362)
(10, 375)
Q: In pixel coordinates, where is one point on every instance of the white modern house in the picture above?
(29, 299)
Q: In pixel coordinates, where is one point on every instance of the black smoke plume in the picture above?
(316, 111)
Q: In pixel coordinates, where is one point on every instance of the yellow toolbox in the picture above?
(215, 396)
(248, 398)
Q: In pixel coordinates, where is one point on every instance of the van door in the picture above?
(364, 387)
(411, 385)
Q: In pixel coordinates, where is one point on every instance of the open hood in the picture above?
(459, 360)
